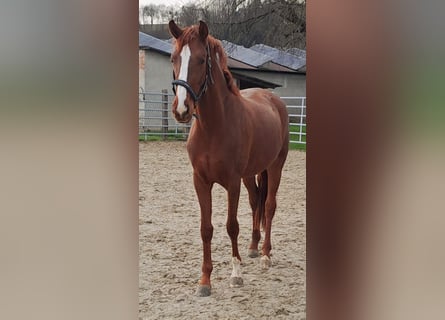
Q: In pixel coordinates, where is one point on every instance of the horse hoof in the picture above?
(236, 282)
(265, 262)
(203, 291)
(253, 253)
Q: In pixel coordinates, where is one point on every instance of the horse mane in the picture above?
(216, 47)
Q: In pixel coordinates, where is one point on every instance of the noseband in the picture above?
(188, 87)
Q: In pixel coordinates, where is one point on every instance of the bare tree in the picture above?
(142, 16)
(172, 13)
(190, 14)
(151, 11)
(278, 23)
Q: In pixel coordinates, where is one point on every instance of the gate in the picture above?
(157, 122)
(296, 108)
(155, 118)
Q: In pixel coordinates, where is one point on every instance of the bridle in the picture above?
(188, 87)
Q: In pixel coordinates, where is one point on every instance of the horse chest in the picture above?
(215, 166)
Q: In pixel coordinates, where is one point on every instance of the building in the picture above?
(267, 67)
(155, 70)
(259, 66)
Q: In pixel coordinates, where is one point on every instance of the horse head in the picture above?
(191, 63)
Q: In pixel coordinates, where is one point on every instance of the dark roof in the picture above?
(149, 42)
(257, 57)
(245, 55)
(232, 63)
(282, 58)
(297, 52)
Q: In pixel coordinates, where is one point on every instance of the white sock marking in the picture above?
(236, 271)
(265, 262)
(183, 73)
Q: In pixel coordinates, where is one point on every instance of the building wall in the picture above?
(292, 84)
(158, 72)
(154, 76)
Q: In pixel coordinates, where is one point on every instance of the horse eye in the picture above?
(201, 61)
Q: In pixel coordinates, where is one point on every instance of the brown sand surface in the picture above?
(170, 249)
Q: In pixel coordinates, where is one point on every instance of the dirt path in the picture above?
(170, 245)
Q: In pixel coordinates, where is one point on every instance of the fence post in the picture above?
(164, 113)
(187, 130)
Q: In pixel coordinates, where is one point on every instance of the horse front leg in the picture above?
(232, 226)
(204, 192)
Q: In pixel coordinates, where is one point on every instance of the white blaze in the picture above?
(236, 271)
(181, 92)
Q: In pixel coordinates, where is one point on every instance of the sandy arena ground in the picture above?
(170, 251)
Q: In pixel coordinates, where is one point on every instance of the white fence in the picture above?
(155, 118)
(296, 108)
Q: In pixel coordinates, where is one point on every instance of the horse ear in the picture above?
(174, 29)
(203, 30)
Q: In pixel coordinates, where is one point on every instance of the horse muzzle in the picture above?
(184, 118)
(182, 114)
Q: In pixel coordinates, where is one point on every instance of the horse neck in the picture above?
(212, 111)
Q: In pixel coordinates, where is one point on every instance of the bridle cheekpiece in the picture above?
(188, 87)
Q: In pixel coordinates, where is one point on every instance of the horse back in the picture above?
(266, 112)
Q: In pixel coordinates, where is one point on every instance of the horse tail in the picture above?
(262, 191)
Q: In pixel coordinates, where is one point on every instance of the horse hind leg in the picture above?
(273, 182)
(252, 189)
(232, 226)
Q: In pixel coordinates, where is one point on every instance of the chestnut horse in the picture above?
(237, 135)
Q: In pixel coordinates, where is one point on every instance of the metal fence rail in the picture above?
(155, 118)
(296, 108)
